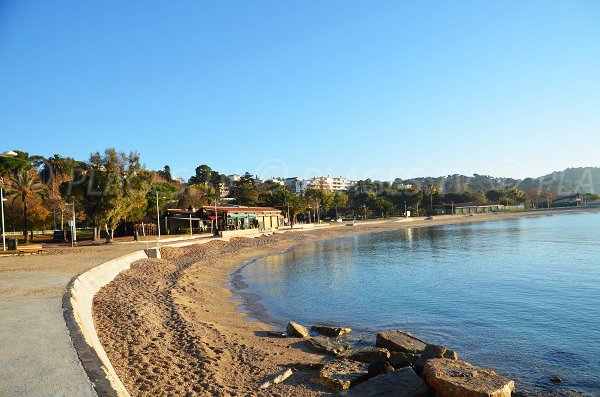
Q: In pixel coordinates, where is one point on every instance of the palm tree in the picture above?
(26, 185)
(432, 188)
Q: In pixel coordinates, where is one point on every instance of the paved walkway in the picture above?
(37, 357)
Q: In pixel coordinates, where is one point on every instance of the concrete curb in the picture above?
(77, 310)
(77, 304)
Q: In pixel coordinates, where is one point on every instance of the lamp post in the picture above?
(216, 228)
(2, 204)
(157, 214)
(73, 227)
(8, 153)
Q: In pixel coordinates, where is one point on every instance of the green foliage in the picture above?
(286, 200)
(165, 174)
(26, 189)
(167, 195)
(244, 191)
(112, 187)
(206, 175)
(196, 196)
(323, 198)
(507, 196)
(11, 165)
(380, 205)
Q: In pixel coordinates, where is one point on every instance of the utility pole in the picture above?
(2, 205)
(157, 214)
(431, 200)
(216, 228)
(191, 234)
(73, 227)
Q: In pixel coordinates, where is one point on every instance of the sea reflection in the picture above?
(503, 294)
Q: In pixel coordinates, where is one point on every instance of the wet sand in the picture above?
(170, 326)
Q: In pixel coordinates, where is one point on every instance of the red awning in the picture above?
(212, 217)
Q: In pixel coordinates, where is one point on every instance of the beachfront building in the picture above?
(472, 208)
(229, 217)
(237, 217)
(180, 221)
(571, 200)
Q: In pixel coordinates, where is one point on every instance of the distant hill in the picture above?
(571, 180)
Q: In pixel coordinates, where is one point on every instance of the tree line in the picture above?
(113, 188)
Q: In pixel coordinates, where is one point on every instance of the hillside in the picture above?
(571, 180)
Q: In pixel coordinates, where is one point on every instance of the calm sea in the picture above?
(521, 296)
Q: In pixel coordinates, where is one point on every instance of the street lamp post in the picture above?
(2, 204)
(157, 214)
(216, 228)
(73, 227)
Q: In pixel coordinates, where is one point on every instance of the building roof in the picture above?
(459, 205)
(180, 211)
(243, 209)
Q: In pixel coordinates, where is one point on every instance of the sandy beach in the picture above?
(171, 327)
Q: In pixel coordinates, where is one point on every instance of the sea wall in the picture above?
(77, 305)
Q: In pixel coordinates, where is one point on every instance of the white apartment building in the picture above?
(234, 177)
(332, 183)
(276, 180)
(295, 184)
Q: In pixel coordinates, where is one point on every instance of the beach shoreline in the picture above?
(173, 326)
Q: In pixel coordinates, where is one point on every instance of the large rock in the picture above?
(368, 354)
(341, 374)
(277, 334)
(277, 378)
(400, 360)
(330, 331)
(327, 345)
(306, 365)
(401, 383)
(295, 329)
(457, 378)
(399, 341)
(380, 367)
(434, 351)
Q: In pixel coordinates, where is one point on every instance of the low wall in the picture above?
(243, 233)
(77, 304)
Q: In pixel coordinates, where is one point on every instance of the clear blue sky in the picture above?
(362, 89)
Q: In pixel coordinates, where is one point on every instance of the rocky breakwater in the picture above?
(399, 365)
